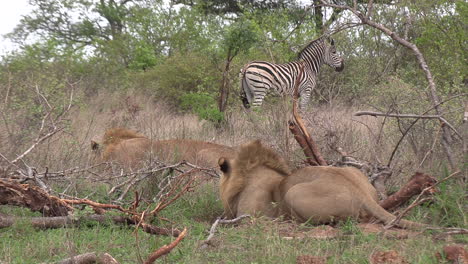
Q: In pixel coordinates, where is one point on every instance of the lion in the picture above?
(130, 149)
(258, 181)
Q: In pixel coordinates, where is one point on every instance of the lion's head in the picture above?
(253, 165)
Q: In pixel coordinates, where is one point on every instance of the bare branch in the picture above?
(371, 113)
(207, 241)
(166, 248)
(362, 113)
(422, 63)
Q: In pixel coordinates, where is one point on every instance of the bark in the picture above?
(70, 221)
(36, 199)
(418, 182)
(224, 89)
(302, 143)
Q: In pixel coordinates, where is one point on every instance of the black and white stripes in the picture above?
(259, 77)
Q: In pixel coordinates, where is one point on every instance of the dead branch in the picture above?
(310, 147)
(449, 232)
(207, 241)
(423, 116)
(300, 138)
(97, 205)
(418, 200)
(371, 113)
(418, 182)
(434, 98)
(34, 198)
(178, 189)
(166, 248)
(87, 258)
(72, 221)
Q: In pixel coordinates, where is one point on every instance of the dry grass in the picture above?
(259, 241)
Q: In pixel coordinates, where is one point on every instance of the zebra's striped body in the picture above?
(259, 77)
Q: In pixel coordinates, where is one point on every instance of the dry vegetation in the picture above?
(332, 125)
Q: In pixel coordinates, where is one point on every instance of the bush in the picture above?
(202, 104)
(185, 73)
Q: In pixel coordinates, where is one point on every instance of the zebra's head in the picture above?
(331, 58)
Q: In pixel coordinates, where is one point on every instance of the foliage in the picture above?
(203, 105)
(184, 73)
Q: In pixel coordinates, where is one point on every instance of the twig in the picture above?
(166, 248)
(98, 205)
(450, 231)
(431, 150)
(207, 241)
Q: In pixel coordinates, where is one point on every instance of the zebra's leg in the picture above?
(259, 94)
(305, 97)
(246, 93)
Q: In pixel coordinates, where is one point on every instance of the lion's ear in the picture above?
(224, 165)
(94, 145)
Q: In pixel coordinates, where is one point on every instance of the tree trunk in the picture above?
(224, 89)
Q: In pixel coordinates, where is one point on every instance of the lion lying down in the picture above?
(130, 149)
(257, 180)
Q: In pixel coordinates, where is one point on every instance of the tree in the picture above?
(365, 16)
(240, 36)
(77, 23)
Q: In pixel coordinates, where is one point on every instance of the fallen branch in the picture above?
(418, 182)
(34, 198)
(310, 147)
(89, 258)
(300, 138)
(418, 200)
(97, 205)
(207, 241)
(71, 221)
(166, 248)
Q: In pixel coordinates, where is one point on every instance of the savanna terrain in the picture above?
(169, 69)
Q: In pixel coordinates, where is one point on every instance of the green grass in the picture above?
(257, 240)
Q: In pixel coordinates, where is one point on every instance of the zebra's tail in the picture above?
(245, 90)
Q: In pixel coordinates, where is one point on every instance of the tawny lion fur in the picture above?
(258, 181)
(130, 149)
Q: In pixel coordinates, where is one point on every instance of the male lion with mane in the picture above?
(130, 149)
(258, 181)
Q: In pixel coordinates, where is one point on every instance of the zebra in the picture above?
(258, 77)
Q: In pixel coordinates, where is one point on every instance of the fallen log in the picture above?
(89, 258)
(418, 182)
(34, 198)
(70, 221)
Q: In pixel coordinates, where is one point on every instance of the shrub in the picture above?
(203, 105)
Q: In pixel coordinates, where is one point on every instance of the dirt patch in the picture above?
(387, 257)
(457, 254)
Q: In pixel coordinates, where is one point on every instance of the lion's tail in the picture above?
(374, 209)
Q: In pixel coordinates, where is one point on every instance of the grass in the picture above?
(256, 240)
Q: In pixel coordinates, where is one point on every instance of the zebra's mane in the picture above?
(312, 43)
